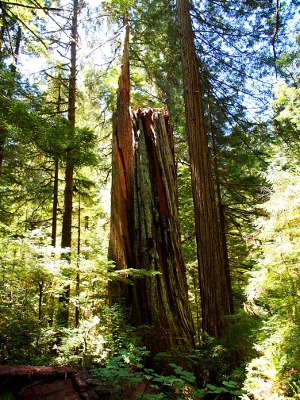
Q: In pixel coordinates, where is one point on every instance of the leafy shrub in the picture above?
(125, 372)
(273, 289)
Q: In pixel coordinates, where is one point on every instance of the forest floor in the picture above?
(21, 382)
(49, 383)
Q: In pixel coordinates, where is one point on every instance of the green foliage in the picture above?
(37, 133)
(117, 376)
(7, 396)
(273, 288)
(125, 372)
(287, 124)
(31, 280)
(130, 369)
(128, 275)
(229, 387)
(186, 214)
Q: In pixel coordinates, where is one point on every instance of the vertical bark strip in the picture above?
(55, 204)
(220, 208)
(215, 292)
(121, 245)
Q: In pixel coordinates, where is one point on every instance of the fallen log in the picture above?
(22, 382)
(26, 375)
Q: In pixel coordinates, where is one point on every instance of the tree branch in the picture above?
(31, 7)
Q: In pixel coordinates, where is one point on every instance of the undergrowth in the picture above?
(125, 373)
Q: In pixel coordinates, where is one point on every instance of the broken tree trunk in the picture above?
(145, 237)
(120, 243)
(144, 230)
(160, 299)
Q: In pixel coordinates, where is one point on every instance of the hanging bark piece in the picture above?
(160, 298)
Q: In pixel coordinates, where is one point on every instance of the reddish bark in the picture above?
(51, 383)
(52, 391)
(160, 298)
(145, 233)
(23, 375)
(214, 281)
(121, 245)
(62, 383)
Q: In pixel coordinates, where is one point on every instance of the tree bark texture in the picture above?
(160, 300)
(55, 204)
(121, 225)
(145, 235)
(144, 232)
(220, 209)
(214, 286)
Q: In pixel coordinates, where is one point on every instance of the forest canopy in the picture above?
(149, 186)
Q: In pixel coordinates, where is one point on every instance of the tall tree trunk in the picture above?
(77, 309)
(54, 204)
(66, 240)
(41, 292)
(121, 224)
(16, 53)
(3, 134)
(214, 286)
(220, 207)
(144, 231)
(55, 184)
(54, 213)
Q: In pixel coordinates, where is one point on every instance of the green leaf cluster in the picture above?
(125, 371)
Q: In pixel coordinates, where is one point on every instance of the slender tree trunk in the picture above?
(215, 289)
(77, 309)
(220, 208)
(3, 134)
(145, 232)
(66, 240)
(41, 290)
(55, 185)
(54, 204)
(2, 31)
(16, 53)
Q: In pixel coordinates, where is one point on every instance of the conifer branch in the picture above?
(19, 20)
(31, 7)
